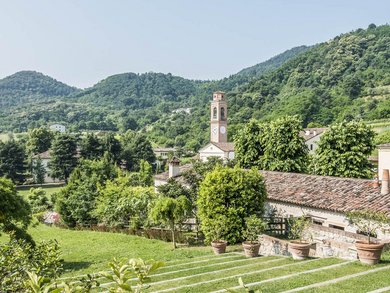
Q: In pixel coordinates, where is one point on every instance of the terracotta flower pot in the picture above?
(369, 253)
(299, 250)
(251, 248)
(219, 246)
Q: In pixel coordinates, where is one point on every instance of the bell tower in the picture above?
(218, 121)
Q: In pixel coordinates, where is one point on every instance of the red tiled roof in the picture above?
(335, 194)
(324, 192)
(309, 133)
(225, 146)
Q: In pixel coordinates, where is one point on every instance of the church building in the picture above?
(218, 146)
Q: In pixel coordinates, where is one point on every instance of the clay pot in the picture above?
(251, 248)
(219, 246)
(299, 250)
(369, 254)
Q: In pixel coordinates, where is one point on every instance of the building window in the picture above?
(215, 113)
(223, 114)
(336, 227)
(317, 222)
(311, 147)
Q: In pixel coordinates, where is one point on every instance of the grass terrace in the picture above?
(196, 269)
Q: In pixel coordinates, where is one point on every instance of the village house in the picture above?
(163, 153)
(58, 127)
(312, 137)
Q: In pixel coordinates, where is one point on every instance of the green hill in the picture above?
(345, 78)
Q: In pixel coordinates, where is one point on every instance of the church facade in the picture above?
(218, 145)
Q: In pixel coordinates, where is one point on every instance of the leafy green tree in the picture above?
(249, 144)
(146, 174)
(77, 200)
(119, 203)
(343, 151)
(38, 200)
(39, 140)
(15, 212)
(228, 196)
(171, 212)
(19, 257)
(38, 171)
(91, 147)
(136, 147)
(285, 149)
(12, 160)
(63, 156)
(112, 146)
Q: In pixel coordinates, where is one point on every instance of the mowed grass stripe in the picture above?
(285, 275)
(200, 259)
(208, 272)
(337, 280)
(211, 282)
(213, 270)
(311, 279)
(370, 282)
(213, 266)
(201, 263)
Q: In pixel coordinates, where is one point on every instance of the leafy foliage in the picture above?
(343, 150)
(368, 222)
(76, 201)
(18, 257)
(15, 212)
(38, 171)
(170, 211)
(63, 156)
(12, 160)
(297, 227)
(136, 147)
(254, 226)
(227, 196)
(39, 140)
(119, 203)
(38, 200)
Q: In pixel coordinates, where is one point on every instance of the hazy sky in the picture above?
(83, 41)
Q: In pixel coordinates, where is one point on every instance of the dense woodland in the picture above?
(347, 77)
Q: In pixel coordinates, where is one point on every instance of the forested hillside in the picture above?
(344, 78)
(119, 102)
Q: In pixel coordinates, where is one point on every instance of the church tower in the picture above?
(218, 121)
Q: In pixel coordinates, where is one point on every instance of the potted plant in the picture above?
(254, 227)
(368, 223)
(218, 244)
(298, 247)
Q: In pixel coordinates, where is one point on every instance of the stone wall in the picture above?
(326, 242)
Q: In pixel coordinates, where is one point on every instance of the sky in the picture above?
(81, 42)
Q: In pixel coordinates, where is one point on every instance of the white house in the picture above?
(58, 127)
(223, 150)
(312, 136)
(163, 152)
(383, 158)
(45, 159)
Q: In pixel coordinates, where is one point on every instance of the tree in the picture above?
(15, 212)
(136, 147)
(285, 149)
(12, 160)
(249, 144)
(77, 200)
(38, 171)
(146, 174)
(39, 140)
(91, 148)
(63, 156)
(119, 203)
(170, 211)
(38, 200)
(112, 146)
(227, 196)
(343, 151)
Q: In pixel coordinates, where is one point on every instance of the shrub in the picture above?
(227, 196)
(297, 226)
(254, 226)
(38, 200)
(18, 257)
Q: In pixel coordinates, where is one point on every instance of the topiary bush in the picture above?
(227, 196)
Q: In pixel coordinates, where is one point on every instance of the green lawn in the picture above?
(49, 191)
(196, 269)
